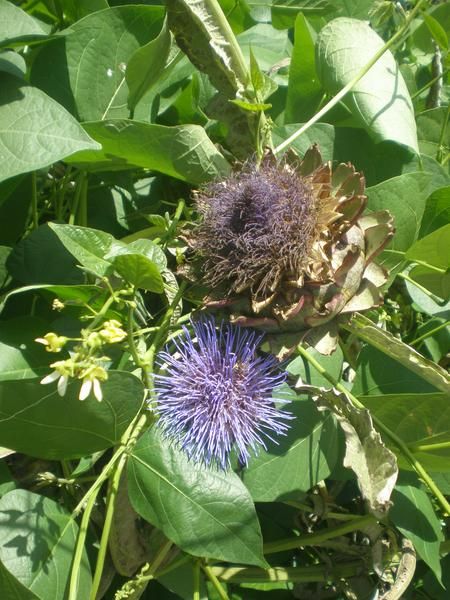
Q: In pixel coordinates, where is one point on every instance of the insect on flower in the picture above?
(215, 393)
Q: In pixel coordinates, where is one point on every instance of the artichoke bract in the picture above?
(285, 247)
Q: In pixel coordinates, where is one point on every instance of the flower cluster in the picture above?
(215, 393)
(84, 363)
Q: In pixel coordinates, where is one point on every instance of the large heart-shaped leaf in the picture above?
(35, 131)
(206, 512)
(37, 542)
(380, 101)
(184, 152)
(35, 420)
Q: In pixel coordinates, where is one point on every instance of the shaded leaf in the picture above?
(418, 419)
(184, 152)
(37, 542)
(16, 23)
(205, 511)
(397, 350)
(35, 131)
(20, 356)
(88, 67)
(12, 588)
(413, 514)
(302, 458)
(380, 101)
(146, 65)
(35, 420)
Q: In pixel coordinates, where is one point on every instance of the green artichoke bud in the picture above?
(285, 247)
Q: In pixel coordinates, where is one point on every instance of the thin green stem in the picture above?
(440, 151)
(76, 198)
(429, 84)
(340, 95)
(83, 204)
(196, 580)
(285, 574)
(318, 537)
(428, 334)
(127, 441)
(176, 218)
(216, 583)
(139, 362)
(429, 447)
(78, 554)
(384, 429)
(34, 202)
(327, 514)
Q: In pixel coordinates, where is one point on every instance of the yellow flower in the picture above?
(91, 382)
(52, 342)
(112, 332)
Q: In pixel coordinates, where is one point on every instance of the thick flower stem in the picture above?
(293, 574)
(384, 429)
(340, 95)
(128, 441)
(318, 537)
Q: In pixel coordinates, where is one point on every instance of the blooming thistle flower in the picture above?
(285, 246)
(215, 393)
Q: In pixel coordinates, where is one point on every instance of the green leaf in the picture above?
(88, 246)
(418, 419)
(140, 272)
(374, 465)
(380, 374)
(251, 106)
(435, 283)
(205, 511)
(16, 23)
(20, 356)
(184, 152)
(146, 65)
(35, 131)
(12, 588)
(299, 461)
(433, 248)
(437, 211)
(380, 101)
(37, 542)
(35, 420)
(434, 374)
(13, 63)
(32, 260)
(332, 364)
(304, 89)
(405, 198)
(413, 514)
(430, 125)
(88, 67)
(436, 30)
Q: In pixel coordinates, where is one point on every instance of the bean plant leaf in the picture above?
(20, 356)
(380, 101)
(12, 588)
(146, 65)
(89, 65)
(37, 543)
(35, 131)
(140, 272)
(13, 63)
(304, 89)
(300, 460)
(419, 420)
(184, 151)
(374, 465)
(413, 514)
(16, 23)
(206, 512)
(401, 352)
(35, 420)
(433, 248)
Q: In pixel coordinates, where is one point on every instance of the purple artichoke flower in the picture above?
(215, 393)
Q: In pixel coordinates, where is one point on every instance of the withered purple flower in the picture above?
(215, 393)
(285, 247)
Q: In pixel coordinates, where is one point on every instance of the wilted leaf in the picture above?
(374, 465)
(380, 101)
